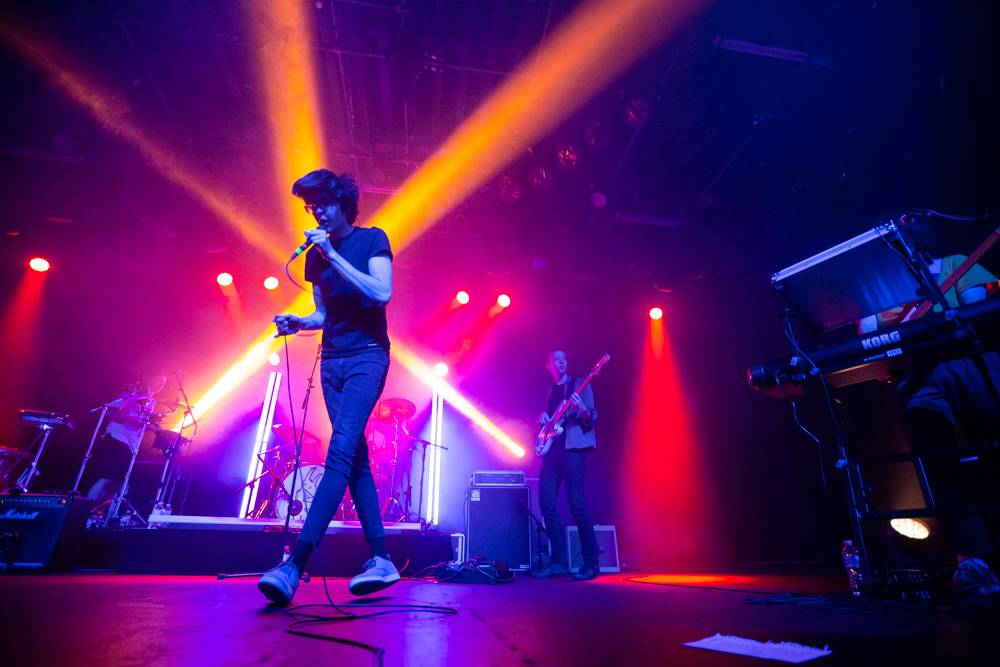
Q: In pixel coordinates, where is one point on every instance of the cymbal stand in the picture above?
(160, 504)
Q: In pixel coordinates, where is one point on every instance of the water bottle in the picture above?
(852, 565)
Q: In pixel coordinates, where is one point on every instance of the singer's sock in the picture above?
(378, 547)
(301, 553)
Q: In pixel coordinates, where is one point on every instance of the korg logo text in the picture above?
(880, 340)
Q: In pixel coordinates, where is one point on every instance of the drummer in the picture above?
(131, 411)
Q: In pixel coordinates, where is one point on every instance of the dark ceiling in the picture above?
(888, 112)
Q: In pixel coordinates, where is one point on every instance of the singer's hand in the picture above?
(320, 238)
(288, 324)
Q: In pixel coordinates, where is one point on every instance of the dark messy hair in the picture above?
(322, 186)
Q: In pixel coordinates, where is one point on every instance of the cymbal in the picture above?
(284, 433)
(389, 409)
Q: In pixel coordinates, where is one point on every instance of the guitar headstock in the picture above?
(601, 363)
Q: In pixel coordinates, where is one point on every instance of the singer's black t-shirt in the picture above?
(353, 321)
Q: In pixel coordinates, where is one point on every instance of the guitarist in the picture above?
(566, 460)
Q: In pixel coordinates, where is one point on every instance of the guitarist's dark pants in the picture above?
(569, 465)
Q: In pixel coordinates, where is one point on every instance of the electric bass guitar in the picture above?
(555, 426)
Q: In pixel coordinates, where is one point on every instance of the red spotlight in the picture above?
(39, 264)
(503, 301)
(463, 297)
(270, 283)
(224, 279)
(656, 313)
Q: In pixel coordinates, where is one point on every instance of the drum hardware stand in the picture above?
(393, 499)
(298, 456)
(24, 481)
(259, 512)
(116, 502)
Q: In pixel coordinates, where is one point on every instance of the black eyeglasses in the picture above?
(312, 208)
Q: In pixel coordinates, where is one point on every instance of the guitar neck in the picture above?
(565, 406)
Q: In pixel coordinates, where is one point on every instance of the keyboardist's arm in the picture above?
(875, 322)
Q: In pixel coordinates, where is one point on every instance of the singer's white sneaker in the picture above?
(378, 573)
(279, 583)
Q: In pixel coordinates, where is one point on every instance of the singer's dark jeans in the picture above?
(569, 465)
(351, 386)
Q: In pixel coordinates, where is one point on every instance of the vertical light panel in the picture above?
(433, 472)
(437, 459)
(261, 441)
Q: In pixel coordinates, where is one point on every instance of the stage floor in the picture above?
(106, 619)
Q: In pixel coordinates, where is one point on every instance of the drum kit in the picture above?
(124, 421)
(389, 449)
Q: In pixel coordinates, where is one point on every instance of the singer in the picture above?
(350, 269)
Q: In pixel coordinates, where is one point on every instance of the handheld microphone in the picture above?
(301, 249)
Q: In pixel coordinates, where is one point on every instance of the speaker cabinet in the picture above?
(40, 530)
(497, 525)
(607, 549)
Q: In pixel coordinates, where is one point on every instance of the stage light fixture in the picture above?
(913, 528)
(510, 191)
(224, 279)
(463, 297)
(503, 301)
(273, 359)
(270, 283)
(39, 264)
(656, 313)
(567, 156)
(637, 112)
(440, 369)
(597, 134)
(539, 177)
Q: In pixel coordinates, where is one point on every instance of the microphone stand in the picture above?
(295, 471)
(298, 437)
(423, 467)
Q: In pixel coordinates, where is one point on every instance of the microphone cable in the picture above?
(303, 619)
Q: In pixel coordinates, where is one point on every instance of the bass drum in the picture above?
(306, 484)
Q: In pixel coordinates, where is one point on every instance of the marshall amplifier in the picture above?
(498, 526)
(40, 530)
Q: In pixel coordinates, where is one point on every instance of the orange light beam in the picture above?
(284, 41)
(593, 46)
(115, 116)
(251, 360)
(425, 373)
(586, 52)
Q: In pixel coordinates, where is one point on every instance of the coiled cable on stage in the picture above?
(302, 618)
